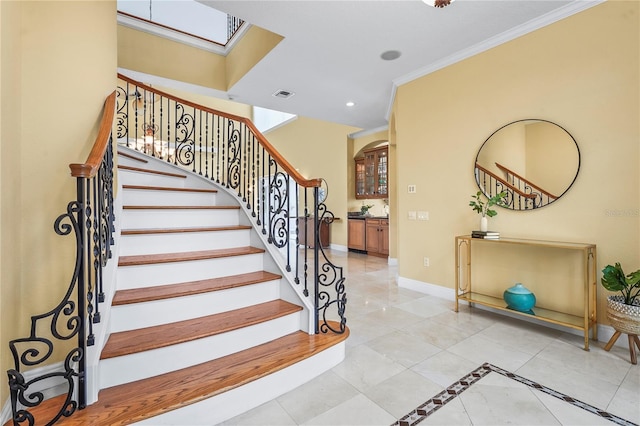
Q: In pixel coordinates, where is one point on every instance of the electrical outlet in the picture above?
(425, 262)
(423, 215)
(412, 189)
(412, 215)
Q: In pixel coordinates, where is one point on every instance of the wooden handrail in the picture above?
(505, 183)
(508, 171)
(90, 168)
(291, 171)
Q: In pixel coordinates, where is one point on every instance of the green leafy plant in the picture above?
(484, 208)
(365, 208)
(614, 279)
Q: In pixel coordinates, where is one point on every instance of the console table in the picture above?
(474, 293)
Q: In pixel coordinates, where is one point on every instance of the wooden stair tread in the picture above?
(133, 157)
(137, 401)
(159, 336)
(181, 207)
(137, 295)
(166, 188)
(156, 172)
(181, 230)
(148, 259)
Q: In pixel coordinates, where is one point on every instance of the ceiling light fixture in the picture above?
(390, 55)
(438, 3)
(350, 104)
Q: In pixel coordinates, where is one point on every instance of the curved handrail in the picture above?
(528, 182)
(505, 183)
(91, 166)
(291, 171)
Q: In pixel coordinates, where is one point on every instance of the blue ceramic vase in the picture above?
(519, 298)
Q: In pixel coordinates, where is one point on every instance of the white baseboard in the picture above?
(49, 388)
(426, 288)
(604, 331)
(338, 247)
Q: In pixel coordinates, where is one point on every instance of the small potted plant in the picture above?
(365, 209)
(484, 208)
(623, 310)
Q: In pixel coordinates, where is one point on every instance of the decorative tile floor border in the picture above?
(447, 395)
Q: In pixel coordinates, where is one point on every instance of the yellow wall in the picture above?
(250, 49)
(58, 66)
(316, 148)
(10, 128)
(150, 54)
(155, 55)
(581, 73)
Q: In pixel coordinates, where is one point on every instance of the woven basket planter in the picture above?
(623, 318)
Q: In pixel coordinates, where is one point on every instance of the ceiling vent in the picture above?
(284, 94)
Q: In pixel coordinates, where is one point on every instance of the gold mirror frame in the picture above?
(534, 161)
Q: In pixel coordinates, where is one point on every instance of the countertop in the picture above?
(367, 217)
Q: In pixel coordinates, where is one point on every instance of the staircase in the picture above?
(191, 299)
(198, 326)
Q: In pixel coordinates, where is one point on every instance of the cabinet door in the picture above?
(360, 178)
(373, 235)
(370, 173)
(381, 172)
(356, 234)
(384, 237)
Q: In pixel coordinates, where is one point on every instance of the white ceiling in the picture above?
(331, 49)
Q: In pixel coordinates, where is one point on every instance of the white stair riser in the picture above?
(224, 406)
(140, 276)
(129, 368)
(148, 314)
(129, 162)
(129, 177)
(183, 241)
(152, 219)
(150, 197)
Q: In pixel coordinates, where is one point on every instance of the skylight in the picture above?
(187, 16)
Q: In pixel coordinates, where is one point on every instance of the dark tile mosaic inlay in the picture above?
(447, 395)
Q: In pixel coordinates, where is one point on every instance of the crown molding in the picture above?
(363, 133)
(513, 33)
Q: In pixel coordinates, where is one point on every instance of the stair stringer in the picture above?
(273, 262)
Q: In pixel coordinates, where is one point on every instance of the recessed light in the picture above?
(350, 104)
(390, 55)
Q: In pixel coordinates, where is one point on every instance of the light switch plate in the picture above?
(412, 215)
(423, 215)
(412, 189)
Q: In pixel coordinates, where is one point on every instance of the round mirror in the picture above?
(533, 161)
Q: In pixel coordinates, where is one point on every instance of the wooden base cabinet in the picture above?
(585, 291)
(377, 237)
(356, 235)
(308, 238)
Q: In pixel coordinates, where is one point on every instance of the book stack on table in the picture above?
(487, 235)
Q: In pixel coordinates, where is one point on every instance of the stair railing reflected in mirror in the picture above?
(534, 161)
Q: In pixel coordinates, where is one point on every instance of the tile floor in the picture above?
(406, 347)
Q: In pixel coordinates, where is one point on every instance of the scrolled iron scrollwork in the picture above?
(278, 210)
(184, 131)
(234, 154)
(330, 291)
(34, 350)
(122, 105)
